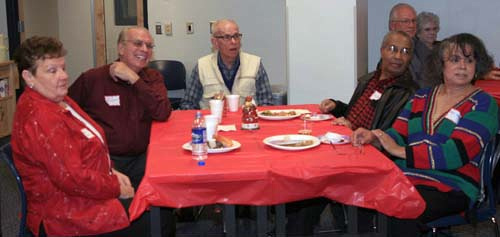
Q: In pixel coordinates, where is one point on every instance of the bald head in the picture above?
(219, 26)
(226, 39)
(403, 17)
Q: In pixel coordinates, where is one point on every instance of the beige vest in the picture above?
(212, 81)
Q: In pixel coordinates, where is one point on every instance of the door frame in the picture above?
(100, 31)
(98, 22)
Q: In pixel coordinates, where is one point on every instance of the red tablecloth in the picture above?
(492, 87)
(257, 174)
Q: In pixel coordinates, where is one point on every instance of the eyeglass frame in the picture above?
(470, 60)
(405, 21)
(236, 37)
(433, 29)
(393, 49)
(139, 43)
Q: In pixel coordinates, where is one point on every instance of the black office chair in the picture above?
(485, 208)
(174, 75)
(12, 196)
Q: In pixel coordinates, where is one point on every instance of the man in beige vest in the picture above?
(228, 70)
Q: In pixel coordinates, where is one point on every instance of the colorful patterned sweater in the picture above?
(446, 154)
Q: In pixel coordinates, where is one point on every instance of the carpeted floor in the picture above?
(210, 224)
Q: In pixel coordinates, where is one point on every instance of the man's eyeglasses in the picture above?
(455, 59)
(405, 21)
(139, 43)
(393, 49)
(229, 37)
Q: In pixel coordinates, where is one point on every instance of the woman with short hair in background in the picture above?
(428, 28)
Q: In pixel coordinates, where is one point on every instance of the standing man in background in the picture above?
(228, 70)
(403, 17)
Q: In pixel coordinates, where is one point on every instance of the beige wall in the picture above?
(41, 18)
(70, 22)
(112, 31)
(75, 31)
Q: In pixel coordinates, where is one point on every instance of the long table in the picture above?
(256, 174)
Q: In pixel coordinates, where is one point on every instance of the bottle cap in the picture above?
(201, 163)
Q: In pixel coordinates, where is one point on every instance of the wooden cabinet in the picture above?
(9, 82)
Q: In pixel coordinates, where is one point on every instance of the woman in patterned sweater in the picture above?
(438, 137)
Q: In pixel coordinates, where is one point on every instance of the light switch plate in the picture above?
(168, 28)
(189, 28)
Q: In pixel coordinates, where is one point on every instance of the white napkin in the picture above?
(226, 128)
(334, 137)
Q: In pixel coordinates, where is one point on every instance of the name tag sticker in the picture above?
(376, 95)
(87, 133)
(112, 100)
(454, 115)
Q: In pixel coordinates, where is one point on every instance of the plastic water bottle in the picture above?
(199, 138)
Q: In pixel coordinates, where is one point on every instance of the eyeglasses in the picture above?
(140, 43)
(393, 49)
(405, 21)
(455, 59)
(236, 37)
(435, 29)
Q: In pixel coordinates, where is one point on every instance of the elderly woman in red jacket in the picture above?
(61, 153)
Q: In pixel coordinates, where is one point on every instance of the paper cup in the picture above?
(216, 108)
(211, 122)
(233, 102)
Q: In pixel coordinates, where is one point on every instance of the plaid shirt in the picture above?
(361, 114)
(194, 89)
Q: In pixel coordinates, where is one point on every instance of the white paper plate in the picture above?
(335, 138)
(275, 142)
(236, 145)
(317, 117)
(298, 112)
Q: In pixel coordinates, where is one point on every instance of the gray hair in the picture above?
(398, 6)
(218, 23)
(426, 17)
(123, 33)
(395, 32)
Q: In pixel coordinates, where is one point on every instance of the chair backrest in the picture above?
(487, 199)
(174, 73)
(12, 196)
(485, 207)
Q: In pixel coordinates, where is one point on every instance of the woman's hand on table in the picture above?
(126, 189)
(389, 144)
(342, 122)
(326, 106)
(362, 136)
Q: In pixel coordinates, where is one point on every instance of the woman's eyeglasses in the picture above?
(455, 59)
